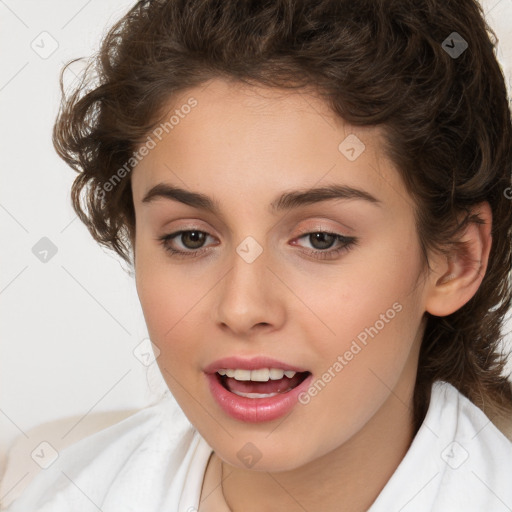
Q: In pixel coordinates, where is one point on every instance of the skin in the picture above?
(244, 146)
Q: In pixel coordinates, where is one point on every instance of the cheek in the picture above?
(165, 302)
(373, 311)
(366, 290)
(172, 298)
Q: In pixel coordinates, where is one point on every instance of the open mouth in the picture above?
(262, 391)
(260, 383)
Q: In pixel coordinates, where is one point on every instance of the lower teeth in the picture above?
(257, 395)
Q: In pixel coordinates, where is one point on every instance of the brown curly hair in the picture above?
(445, 117)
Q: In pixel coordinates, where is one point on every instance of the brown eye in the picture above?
(193, 239)
(322, 240)
(185, 242)
(321, 243)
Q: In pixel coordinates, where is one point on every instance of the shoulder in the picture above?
(467, 420)
(458, 461)
(126, 463)
(478, 456)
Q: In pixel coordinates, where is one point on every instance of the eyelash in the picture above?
(348, 243)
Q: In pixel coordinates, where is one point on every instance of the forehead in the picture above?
(251, 139)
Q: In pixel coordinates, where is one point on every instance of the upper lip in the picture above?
(252, 363)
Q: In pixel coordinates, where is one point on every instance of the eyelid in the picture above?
(319, 227)
(348, 242)
(190, 224)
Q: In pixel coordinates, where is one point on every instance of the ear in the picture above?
(454, 278)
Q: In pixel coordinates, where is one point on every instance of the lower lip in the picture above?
(255, 410)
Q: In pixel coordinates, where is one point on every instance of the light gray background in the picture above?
(70, 325)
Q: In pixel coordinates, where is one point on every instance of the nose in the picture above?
(249, 299)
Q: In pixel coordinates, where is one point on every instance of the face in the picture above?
(324, 284)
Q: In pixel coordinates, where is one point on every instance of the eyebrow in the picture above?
(286, 201)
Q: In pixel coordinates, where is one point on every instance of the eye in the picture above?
(323, 240)
(191, 240)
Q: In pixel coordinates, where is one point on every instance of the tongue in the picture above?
(271, 386)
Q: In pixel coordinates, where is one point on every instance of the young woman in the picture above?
(315, 199)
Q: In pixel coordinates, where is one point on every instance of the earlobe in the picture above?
(455, 278)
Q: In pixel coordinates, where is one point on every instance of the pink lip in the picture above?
(250, 364)
(253, 410)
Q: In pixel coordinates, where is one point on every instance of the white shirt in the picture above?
(154, 461)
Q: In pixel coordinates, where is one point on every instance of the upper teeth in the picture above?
(259, 375)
